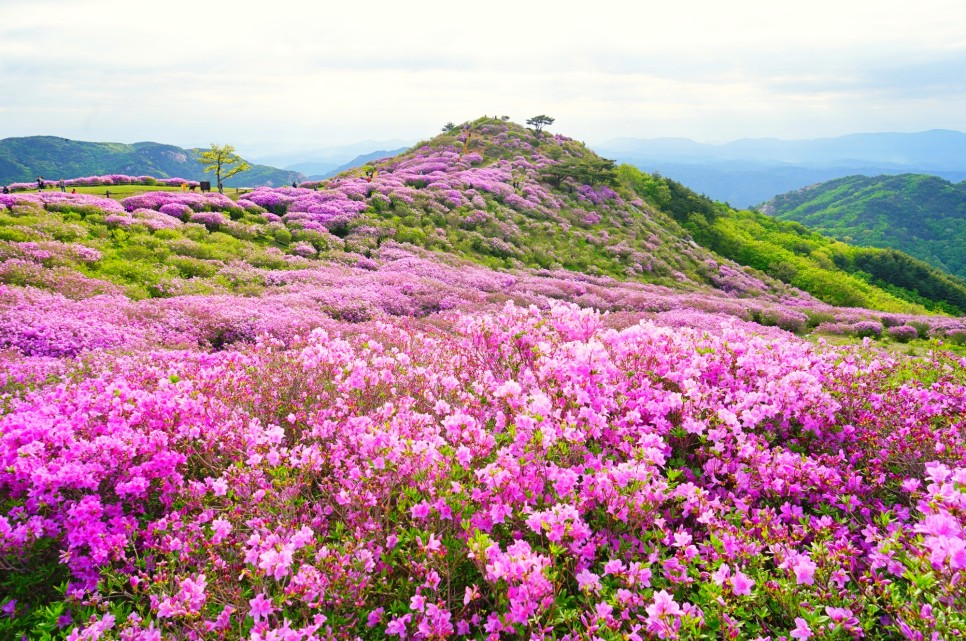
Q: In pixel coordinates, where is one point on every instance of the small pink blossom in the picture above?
(374, 617)
(421, 510)
(587, 580)
(261, 607)
(801, 631)
(741, 584)
(804, 570)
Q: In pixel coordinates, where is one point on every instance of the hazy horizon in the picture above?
(267, 149)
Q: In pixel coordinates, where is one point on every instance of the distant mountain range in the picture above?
(327, 161)
(23, 159)
(921, 215)
(359, 160)
(747, 172)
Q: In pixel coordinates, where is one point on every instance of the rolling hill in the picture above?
(23, 159)
(921, 215)
(358, 161)
(509, 198)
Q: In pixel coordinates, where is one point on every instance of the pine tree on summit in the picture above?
(539, 122)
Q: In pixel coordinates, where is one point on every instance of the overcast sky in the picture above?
(317, 73)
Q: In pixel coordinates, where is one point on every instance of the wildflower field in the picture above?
(332, 412)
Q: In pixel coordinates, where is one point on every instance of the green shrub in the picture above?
(16, 235)
(136, 253)
(192, 267)
(194, 231)
(282, 236)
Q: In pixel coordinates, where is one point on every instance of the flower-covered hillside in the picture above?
(507, 196)
(491, 192)
(484, 193)
(343, 411)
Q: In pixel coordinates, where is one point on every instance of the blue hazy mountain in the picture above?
(749, 171)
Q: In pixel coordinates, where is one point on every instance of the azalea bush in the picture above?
(110, 179)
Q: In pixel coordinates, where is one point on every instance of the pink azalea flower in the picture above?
(801, 631)
(804, 570)
(587, 580)
(260, 607)
(741, 584)
(372, 620)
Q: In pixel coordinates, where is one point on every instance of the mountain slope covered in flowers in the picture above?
(344, 412)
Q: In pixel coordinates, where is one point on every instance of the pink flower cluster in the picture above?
(59, 201)
(111, 179)
(197, 202)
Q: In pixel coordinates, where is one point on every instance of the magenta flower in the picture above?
(221, 528)
(741, 584)
(374, 617)
(721, 574)
(614, 566)
(664, 615)
(397, 625)
(261, 607)
(682, 539)
(587, 580)
(421, 510)
(843, 617)
(804, 569)
(664, 604)
(801, 631)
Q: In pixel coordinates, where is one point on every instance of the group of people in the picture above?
(42, 184)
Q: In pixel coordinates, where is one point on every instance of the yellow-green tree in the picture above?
(222, 160)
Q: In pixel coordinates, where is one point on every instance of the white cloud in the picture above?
(192, 72)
